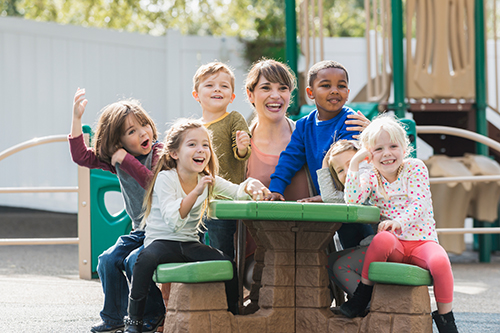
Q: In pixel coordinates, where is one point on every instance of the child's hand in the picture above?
(118, 156)
(316, 198)
(242, 143)
(360, 156)
(325, 161)
(359, 120)
(79, 103)
(256, 190)
(202, 183)
(274, 196)
(390, 225)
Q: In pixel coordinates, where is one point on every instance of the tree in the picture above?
(242, 18)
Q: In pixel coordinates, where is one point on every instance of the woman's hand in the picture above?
(256, 190)
(360, 122)
(242, 143)
(390, 225)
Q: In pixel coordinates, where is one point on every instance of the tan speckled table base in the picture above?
(294, 295)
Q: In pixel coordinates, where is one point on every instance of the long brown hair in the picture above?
(109, 130)
(173, 140)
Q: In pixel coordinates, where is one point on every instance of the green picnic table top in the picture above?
(293, 211)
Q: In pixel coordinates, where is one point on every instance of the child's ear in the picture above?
(195, 96)
(173, 154)
(309, 93)
(232, 98)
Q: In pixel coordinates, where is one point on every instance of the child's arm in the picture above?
(79, 104)
(328, 191)
(358, 186)
(80, 153)
(291, 160)
(251, 188)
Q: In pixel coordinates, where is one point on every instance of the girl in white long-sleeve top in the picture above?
(185, 179)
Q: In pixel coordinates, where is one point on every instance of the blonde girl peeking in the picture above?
(184, 180)
(125, 144)
(399, 187)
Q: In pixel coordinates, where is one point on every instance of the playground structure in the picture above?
(439, 81)
(377, 88)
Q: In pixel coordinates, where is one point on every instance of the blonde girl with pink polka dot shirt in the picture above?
(399, 187)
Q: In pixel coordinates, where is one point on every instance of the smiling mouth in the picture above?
(218, 97)
(274, 106)
(199, 160)
(387, 162)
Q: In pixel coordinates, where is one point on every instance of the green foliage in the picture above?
(261, 23)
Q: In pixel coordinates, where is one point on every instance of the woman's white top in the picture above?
(164, 220)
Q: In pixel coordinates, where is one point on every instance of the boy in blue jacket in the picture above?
(314, 134)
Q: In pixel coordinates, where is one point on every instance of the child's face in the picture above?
(215, 92)
(387, 156)
(340, 163)
(136, 139)
(271, 99)
(329, 91)
(194, 151)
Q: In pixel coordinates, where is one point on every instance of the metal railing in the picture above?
(83, 190)
(475, 137)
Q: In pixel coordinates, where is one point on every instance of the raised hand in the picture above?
(202, 183)
(242, 142)
(79, 103)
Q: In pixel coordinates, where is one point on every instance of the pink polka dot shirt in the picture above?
(409, 202)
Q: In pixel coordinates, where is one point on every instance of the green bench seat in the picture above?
(397, 273)
(194, 272)
(293, 211)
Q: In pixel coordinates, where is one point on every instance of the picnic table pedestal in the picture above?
(294, 295)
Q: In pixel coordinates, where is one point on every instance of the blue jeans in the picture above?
(350, 234)
(112, 262)
(221, 234)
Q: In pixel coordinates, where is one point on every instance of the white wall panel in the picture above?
(42, 64)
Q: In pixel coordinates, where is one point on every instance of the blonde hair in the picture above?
(335, 149)
(392, 126)
(397, 134)
(173, 140)
(110, 127)
(210, 69)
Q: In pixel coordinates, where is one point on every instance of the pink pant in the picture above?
(385, 246)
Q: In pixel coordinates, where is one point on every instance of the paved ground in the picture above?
(40, 290)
